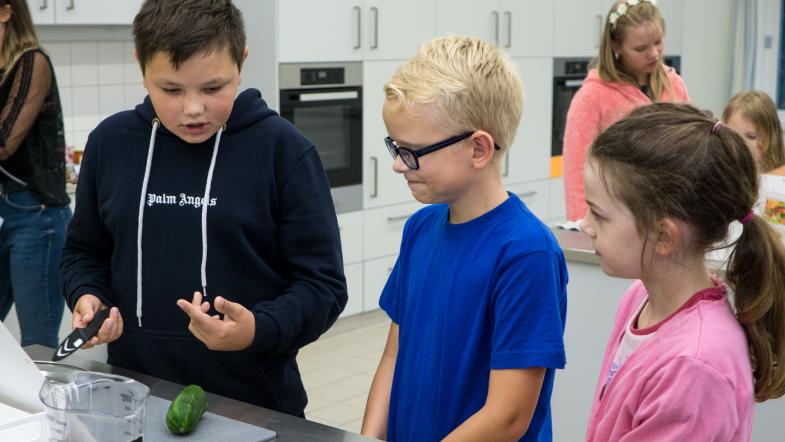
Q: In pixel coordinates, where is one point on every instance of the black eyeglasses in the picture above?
(410, 156)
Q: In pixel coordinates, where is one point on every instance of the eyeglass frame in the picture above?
(395, 150)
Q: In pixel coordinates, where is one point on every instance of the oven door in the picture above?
(331, 118)
(564, 88)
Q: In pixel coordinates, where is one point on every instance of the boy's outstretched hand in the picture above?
(234, 332)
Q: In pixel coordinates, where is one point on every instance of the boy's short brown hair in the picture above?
(182, 28)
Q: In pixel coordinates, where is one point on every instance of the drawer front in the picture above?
(354, 285)
(535, 195)
(383, 228)
(376, 273)
(350, 225)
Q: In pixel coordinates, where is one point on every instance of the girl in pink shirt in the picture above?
(630, 73)
(683, 362)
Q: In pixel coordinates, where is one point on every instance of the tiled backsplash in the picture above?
(96, 79)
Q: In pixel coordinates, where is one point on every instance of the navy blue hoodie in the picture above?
(272, 245)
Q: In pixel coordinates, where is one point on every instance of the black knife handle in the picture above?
(94, 325)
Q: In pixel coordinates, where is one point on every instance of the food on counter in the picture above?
(186, 410)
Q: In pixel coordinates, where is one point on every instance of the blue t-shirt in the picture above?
(469, 298)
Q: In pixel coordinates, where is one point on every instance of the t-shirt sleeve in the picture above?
(390, 299)
(529, 309)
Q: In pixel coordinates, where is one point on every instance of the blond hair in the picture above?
(20, 34)
(471, 84)
(760, 110)
(611, 68)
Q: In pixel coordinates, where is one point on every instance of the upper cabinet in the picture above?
(349, 30)
(520, 27)
(83, 12)
(578, 26)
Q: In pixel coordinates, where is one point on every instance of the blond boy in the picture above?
(477, 296)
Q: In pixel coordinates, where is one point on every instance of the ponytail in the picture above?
(756, 273)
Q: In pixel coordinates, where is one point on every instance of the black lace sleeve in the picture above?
(31, 83)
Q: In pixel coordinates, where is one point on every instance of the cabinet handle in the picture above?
(525, 195)
(495, 27)
(44, 5)
(392, 219)
(358, 10)
(506, 164)
(375, 192)
(508, 14)
(375, 12)
(70, 5)
(600, 23)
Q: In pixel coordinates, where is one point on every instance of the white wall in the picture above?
(706, 60)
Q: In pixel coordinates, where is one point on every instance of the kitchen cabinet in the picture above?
(557, 210)
(529, 157)
(520, 27)
(350, 226)
(384, 228)
(381, 185)
(83, 12)
(578, 26)
(350, 30)
(354, 286)
(376, 273)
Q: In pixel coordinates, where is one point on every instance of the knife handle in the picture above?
(94, 325)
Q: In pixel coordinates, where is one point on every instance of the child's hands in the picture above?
(84, 312)
(234, 332)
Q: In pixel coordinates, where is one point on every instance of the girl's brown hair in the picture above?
(760, 110)
(669, 160)
(19, 33)
(611, 68)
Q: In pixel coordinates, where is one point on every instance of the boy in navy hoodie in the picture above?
(204, 220)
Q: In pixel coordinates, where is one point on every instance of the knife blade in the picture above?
(79, 336)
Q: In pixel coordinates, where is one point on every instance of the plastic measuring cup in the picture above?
(95, 407)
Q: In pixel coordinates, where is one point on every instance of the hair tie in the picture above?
(746, 218)
(716, 127)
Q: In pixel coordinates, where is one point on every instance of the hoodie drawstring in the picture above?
(205, 203)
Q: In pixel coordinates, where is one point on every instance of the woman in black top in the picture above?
(34, 206)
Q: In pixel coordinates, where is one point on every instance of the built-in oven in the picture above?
(568, 76)
(324, 102)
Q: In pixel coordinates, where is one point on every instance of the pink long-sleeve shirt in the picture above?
(595, 106)
(692, 380)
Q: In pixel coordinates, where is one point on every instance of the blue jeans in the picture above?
(31, 242)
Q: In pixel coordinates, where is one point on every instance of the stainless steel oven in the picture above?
(568, 76)
(324, 101)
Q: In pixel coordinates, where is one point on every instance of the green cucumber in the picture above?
(186, 410)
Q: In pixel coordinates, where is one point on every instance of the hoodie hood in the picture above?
(248, 109)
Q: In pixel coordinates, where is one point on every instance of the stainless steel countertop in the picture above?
(289, 428)
(575, 245)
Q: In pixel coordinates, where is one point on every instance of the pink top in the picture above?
(693, 377)
(597, 105)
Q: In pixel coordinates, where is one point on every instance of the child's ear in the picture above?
(483, 149)
(668, 237)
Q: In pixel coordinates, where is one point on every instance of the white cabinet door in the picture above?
(526, 27)
(469, 17)
(396, 28)
(95, 12)
(354, 285)
(376, 272)
(384, 228)
(42, 11)
(381, 185)
(577, 26)
(319, 30)
(350, 225)
(673, 13)
(557, 210)
(529, 157)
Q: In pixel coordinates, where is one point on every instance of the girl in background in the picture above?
(630, 72)
(662, 186)
(753, 115)
(34, 205)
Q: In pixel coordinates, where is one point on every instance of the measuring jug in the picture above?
(95, 407)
